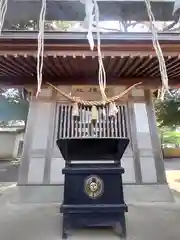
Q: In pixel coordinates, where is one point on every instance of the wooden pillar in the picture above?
(25, 160)
(144, 144)
(133, 137)
(38, 144)
(50, 141)
(157, 153)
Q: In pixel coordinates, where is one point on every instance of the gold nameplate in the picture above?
(87, 89)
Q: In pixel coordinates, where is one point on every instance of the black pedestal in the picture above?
(93, 193)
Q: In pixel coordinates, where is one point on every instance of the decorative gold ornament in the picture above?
(93, 186)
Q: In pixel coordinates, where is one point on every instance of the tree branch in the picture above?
(171, 25)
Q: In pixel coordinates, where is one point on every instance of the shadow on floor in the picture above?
(177, 180)
(175, 193)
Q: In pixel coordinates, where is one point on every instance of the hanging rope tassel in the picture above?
(75, 110)
(112, 109)
(94, 114)
(103, 115)
(40, 52)
(3, 10)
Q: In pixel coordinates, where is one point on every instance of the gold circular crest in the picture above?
(93, 186)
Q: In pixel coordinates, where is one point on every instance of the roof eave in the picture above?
(79, 37)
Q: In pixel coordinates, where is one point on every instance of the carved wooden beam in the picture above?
(10, 81)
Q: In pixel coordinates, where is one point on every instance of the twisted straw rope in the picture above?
(3, 10)
(94, 103)
(158, 50)
(102, 71)
(40, 52)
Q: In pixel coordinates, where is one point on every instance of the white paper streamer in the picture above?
(88, 21)
(92, 15)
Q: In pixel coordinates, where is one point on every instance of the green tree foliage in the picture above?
(33, 25)
(171, 138)
(168, 113)
(13, 106)
(168, 110)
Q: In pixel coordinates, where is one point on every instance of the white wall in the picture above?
(19, 137)
(41, 130)
(7, 142)
(39, 142)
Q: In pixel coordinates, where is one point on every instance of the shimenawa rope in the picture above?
(94, 103)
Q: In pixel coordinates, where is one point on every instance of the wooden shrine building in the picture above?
(72, 67)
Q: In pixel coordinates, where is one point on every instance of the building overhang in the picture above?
(128, 58)
(74, 10)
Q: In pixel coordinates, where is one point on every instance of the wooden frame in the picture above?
(127, 60)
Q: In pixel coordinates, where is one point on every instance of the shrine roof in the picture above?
(127, 58)
(74, 10)
(78, 37)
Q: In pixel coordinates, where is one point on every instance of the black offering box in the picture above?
(93, 192)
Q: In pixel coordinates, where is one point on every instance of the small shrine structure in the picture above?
(70, 69)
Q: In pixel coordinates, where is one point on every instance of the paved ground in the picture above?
(42, 222)
(35, 222)
(172, 164)
(173, 176)
(8, 172)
